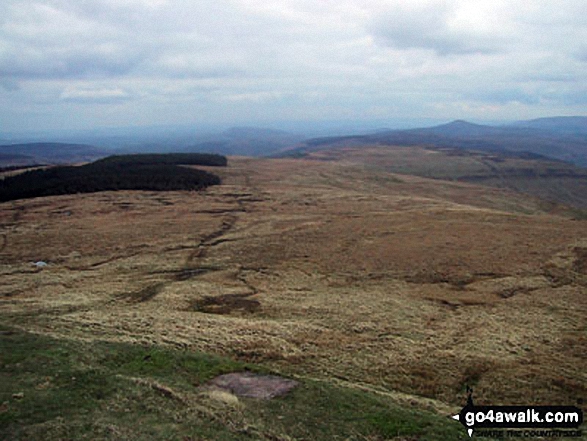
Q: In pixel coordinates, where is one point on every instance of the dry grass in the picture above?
(321, 270)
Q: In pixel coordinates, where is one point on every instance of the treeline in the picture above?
(105, 175)
(207, 159)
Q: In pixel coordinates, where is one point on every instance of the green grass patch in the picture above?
(52, 389)
(321, 411)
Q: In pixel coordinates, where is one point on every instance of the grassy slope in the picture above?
(64, 389)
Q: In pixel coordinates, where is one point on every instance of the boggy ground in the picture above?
(325, 270)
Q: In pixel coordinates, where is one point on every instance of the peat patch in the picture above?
(580, 264)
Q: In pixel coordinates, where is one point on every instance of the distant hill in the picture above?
(255, 132)
(247, 141)
(11, 159)
(557, 138)
(48, 153)
(569, 125)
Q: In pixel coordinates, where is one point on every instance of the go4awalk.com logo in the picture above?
(520, 421)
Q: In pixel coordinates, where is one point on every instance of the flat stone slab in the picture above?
(247, 384)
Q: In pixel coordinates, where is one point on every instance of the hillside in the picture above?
(552, 181)
(359, 283)
(523, 159)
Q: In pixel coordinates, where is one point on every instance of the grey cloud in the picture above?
(548, 77)
(503, 96)
(558, 96)
(102, 39)
(9, 85)
(155, 19)
(427, 27)
(218, 59)
(95, 96)
(40, 41)
(175, 64)
(575, 97)
(62, 63)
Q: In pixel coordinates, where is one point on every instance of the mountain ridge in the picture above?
(554, 142)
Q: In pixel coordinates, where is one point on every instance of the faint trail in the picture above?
(253, 289)
(193, 265)
(223, 304)
(4, 243)
(228, 224)
(95, 265)
(211, 240)
(145, 294)
(17, 213)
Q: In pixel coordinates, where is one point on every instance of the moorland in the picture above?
(384, 282)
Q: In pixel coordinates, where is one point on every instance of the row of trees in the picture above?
(105, 175)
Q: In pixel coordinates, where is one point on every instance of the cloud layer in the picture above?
(180, 61)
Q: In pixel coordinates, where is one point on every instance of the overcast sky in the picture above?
(70, 64)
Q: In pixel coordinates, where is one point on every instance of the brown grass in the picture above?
(319, 269)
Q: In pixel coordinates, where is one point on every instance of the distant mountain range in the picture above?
(572, 125)
(562, 138)
(48, 153)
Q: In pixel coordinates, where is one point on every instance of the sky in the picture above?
(81, 64)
